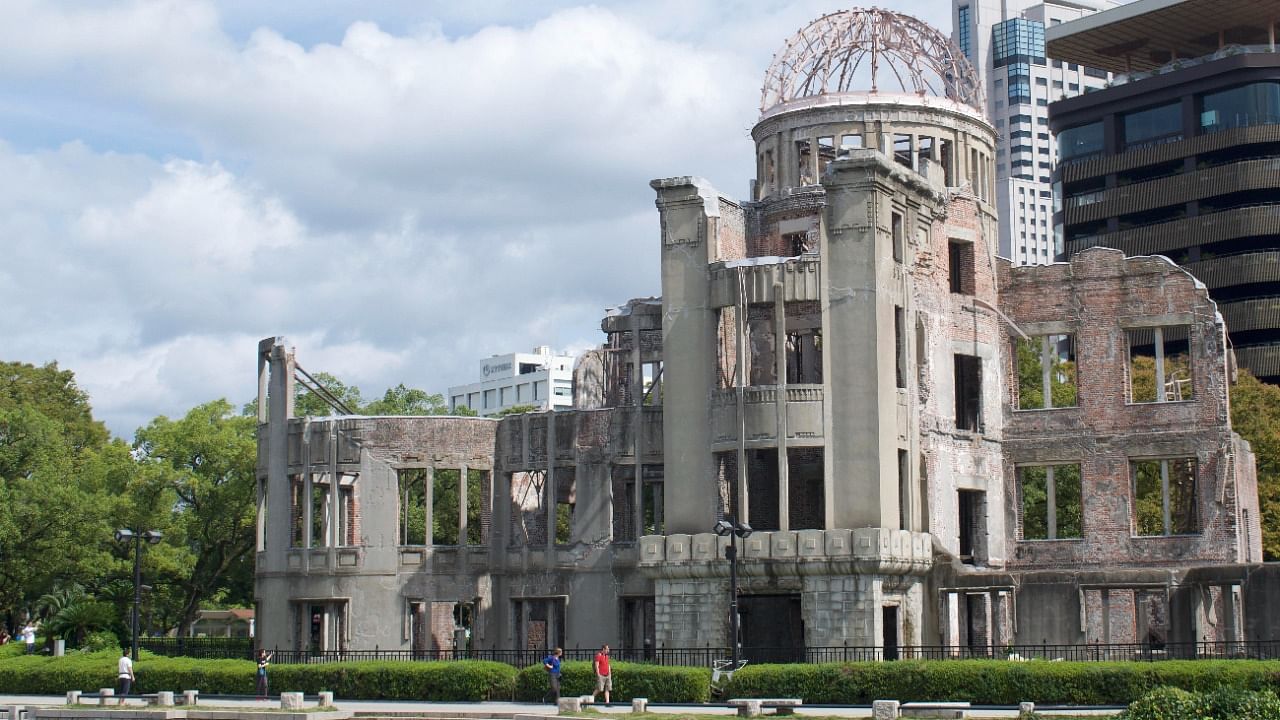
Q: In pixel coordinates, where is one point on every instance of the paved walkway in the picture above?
(390, 708)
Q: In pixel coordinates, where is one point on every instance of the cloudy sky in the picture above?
(400, 188)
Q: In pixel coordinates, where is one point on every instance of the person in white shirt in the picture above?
(29, 637)
(124, 676)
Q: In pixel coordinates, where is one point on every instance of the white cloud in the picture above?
(398, 201)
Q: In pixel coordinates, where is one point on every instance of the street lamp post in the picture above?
(125, 535)
(733, 529)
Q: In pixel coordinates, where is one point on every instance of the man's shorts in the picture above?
(604, 682)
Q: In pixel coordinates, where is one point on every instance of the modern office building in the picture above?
(1004, 41)
(1181, 155)
(906, 440)
(539, 378)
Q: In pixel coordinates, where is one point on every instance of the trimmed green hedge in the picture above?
(1221, 704)
(997, 682)
(659, 683)
(439, 681)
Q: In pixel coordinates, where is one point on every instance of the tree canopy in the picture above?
(1255, 414)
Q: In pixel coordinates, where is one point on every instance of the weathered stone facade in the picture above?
(841, 362)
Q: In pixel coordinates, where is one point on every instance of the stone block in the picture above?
(107, 696)
(782, 544)
(678, 548)
(73, 697)
(639, 705)
(836, 543)
(704, 547)
(652, 549)
(164, 698)
(190, 697)
(749, 708)
(884, 709)
(1026, 709)
(756, 546)
(866, 543)
(326, 699)
(291, 701)
(569, 704)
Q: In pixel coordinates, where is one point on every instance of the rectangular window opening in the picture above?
(1046, 372)
(897, 231)
(1164, 497)
(1051, 502)
(413, 506)
(968, 392)
(961, 266)
(1159, 364)
(900, 346)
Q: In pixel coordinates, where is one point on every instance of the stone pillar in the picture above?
(164, 698)
(106, 696)
(291, 701)
(690, 212)
(326, 699)
(190, 697)
(780, 403)
(73, 697)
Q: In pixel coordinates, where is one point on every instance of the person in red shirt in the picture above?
(604, 680)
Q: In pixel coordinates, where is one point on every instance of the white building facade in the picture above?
(539, 378)
(1004, 40)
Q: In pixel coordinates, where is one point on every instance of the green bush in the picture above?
(659, 683)
(996, 682)
(1226, 703)
(1243, 704)
(438, 681)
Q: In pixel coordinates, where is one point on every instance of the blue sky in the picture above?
(399, 188)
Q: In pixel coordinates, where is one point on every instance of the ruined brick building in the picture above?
(932, 446)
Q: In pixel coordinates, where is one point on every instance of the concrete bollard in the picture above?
(570, 704)
(586, 700)
(326, 699)
(73, 697)
(164, 698)
(291, 701)
(107, 696)
(885, 709)
(190, 697)
(639, 705)
(1026, 709)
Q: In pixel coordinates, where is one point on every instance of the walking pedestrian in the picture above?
(264, 659)
(604, 679)
(124, 677)
(551, 664)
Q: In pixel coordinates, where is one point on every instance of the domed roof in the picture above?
(869, 47)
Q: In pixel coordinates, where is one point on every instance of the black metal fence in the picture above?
(209, 648)
(706, 657)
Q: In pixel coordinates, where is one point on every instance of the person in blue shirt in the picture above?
(551, 664)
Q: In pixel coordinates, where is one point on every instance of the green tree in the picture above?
(401, 400)
(516, 410)
(54, 394)
(54, 462)
(1255, 414)
(206, 461)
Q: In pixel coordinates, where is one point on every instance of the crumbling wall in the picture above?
(1097, 298)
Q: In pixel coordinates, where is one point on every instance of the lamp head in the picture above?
(742, 530)
(124, 535)
(152, 536)
(723, 528)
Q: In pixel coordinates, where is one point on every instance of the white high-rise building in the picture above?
(1004, 40)
(539, 378)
